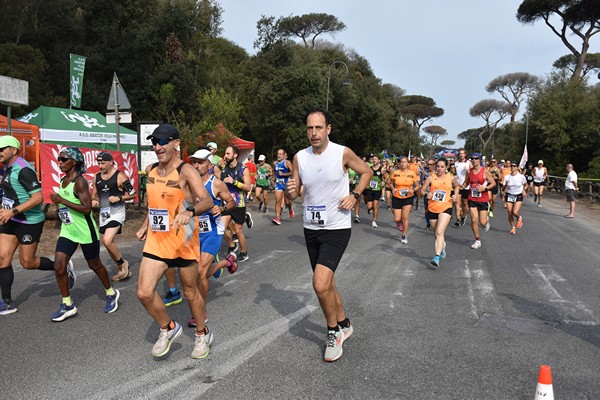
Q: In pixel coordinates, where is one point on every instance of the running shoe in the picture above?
(260, 206)
(435, 261)
(333, 345)
(276, 221)
(7, 308)
(463, 220)
(399, 226)
(123, 272)
(357, 219)
(232, 264)
(64, 311)
(112, 302)
(374, 224)
(382, 198)
(404, 240)
(248, 219)
(202, 344)
(243, 257)
(417, 206)
(486, 227)
(347, 331)
(476, 244)
(369, 211)
(513, 231)
(218, 273)
(172, 297)
(165, 338)
(491, 214)
(192, 321)
(233, 249)
(520, 222)
(265, 210)
(234, 237)
(457, 223)
(428, 227)
(539, 205)
(443, 253)
(292, 213)
(71, 274)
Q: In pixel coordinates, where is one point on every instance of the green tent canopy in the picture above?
(79, 128)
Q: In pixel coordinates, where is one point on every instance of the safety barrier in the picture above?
(587, 187)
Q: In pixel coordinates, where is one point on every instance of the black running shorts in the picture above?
(326, 247)
(26, 233)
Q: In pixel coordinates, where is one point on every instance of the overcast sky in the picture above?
(447, 50)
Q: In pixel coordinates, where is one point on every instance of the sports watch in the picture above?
(356, 195)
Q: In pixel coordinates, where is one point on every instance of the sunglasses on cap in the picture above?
(63, 159)
(160, 142)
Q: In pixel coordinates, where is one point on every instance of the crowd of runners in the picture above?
(193, 207)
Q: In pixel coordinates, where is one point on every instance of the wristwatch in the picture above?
(356, 195)
(191, 209)
(16, 211)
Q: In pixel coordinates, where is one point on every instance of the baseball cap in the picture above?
(104, 156)
(541, 162)
(201, 154)
(164, 131)
(212, 145)
(262, 157)
(476, 155)
(9, 141)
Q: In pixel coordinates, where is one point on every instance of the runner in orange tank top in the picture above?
(171, 231)
(443, 192)
(403, 183)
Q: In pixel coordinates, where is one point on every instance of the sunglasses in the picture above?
(3, 148)
(514, 166)
(493, 162)
(160, 142)
(474, 158)
(63, 159)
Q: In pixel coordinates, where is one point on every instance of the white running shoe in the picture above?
(374, 224)
(476, 244)
(165, 338)
(333, 345)
(202, 344)
(486, 227)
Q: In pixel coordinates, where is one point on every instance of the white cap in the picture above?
(202, 154)
(262, 157)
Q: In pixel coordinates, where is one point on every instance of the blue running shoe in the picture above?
(112, 302)
(172, 297)
(71, 274)
(64, 312)
(7, 308)
(218, 273)
(443, 253)
(435, 261)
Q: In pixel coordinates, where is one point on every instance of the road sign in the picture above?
(14, 91)
(117, 98)
(124, 117)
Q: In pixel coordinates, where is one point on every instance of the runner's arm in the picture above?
(293, 185)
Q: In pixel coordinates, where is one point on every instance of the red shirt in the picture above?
(252, 170)
(474, 181)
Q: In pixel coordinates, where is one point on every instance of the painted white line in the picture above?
(481, 291)
(270, 255)
(544, 284)
(470, 291)
(227, 358)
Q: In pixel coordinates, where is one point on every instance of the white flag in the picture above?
(524, 158)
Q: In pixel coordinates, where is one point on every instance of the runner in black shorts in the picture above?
(21, 220)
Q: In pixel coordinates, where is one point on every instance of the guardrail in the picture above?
(587, 187)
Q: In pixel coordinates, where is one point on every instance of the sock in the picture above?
(202, 332)
(110, 291)
(170, 326)
(46, 264)
(120, 261)
(7, 276)
(67, 300)
(476, 238)
(173, 290)
(336, 328)
(345, 323)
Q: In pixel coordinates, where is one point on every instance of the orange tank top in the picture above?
(403, 182)
(441, 193)
(166, 199)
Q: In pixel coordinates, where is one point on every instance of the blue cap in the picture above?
(476, 155)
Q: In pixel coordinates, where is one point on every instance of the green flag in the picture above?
(77, 68)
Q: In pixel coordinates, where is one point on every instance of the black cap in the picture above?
(104, 156)
(164, 131)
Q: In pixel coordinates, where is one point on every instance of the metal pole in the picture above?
(8, 115)
(526, 127)
(329, 80)
(117, 118)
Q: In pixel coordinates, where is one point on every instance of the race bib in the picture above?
(511, 198)
(159, 219)
(7, 204)
(262, 177)
(403, 192)
(280, 181)
(316, 215)
(204, 224)
(104, 214)
(373, 184)
(439, 195)
(65, 215)
(475, 193)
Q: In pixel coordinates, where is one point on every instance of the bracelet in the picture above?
(237, 184)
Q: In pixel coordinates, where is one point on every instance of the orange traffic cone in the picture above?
(544, 386)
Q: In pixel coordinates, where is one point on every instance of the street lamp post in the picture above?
(346, 81)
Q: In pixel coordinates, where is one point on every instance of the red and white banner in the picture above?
(51, 173)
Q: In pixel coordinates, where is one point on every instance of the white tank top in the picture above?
(539, 175)
(325, 184)
(462, 169)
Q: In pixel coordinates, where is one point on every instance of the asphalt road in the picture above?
(478, 327)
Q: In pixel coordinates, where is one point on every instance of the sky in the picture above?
(446, 50)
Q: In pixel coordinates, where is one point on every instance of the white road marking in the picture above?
(480, 290)
(270, 255)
